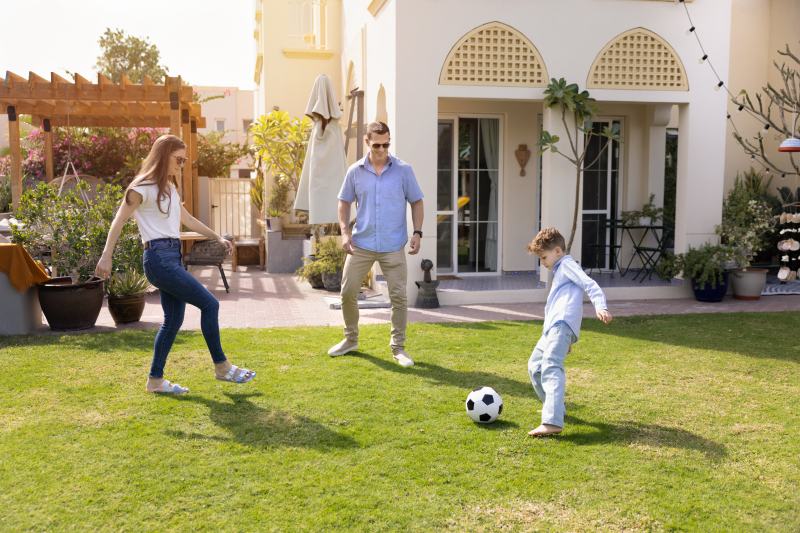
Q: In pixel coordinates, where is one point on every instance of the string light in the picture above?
(721, 85)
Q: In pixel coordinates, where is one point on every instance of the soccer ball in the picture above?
(484, 405)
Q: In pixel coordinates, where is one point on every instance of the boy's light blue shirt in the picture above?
(381, 203)
(565, 301)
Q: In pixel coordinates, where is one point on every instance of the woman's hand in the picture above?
(103, 268)
(228, 245)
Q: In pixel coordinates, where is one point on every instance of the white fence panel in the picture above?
(231, 211)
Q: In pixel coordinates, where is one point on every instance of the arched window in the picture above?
(638, 59)
(494, 54)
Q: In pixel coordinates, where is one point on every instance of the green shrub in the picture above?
(128, 283)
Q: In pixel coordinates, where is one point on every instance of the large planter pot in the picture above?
(68, 306)
(749, 283)
(126, 309)
(275, 223)
(316, 281)
(332, 282)
(709, 293)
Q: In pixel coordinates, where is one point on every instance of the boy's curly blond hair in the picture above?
(547, 239)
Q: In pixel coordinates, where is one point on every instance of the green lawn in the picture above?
(689, 423)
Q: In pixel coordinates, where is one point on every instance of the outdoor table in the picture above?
(19, 298)
(638, 234)
(188, 238)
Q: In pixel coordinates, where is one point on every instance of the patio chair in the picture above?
(207, 253)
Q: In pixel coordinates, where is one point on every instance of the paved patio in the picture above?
(259, 300)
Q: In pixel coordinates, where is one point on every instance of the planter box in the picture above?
(20, 311)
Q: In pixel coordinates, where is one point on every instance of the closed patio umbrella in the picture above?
(324, 166)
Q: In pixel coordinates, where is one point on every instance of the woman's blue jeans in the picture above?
(546, 370)
(163, 268)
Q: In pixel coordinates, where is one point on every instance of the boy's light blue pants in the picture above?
(546, 370)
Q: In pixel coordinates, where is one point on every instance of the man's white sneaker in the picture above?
(343, 347)
(403, 359)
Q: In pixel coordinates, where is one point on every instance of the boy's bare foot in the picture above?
(544, 430)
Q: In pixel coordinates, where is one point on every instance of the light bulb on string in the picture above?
(719, 85)
(703, 59)
(690, 30)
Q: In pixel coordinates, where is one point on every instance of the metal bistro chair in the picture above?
(651, 255)
(207, 253)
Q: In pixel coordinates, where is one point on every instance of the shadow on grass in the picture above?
(653, 435)
(758, 335)
(130, 340)
(497, 425)
(440, 375)
(252, 425)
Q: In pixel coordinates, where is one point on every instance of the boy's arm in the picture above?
(576, 275)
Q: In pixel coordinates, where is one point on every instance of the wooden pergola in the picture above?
(60, 103)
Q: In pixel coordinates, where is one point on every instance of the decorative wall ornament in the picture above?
(638, 59)
(494, 54)
(523, 155)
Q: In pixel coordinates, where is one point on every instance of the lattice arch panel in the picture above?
(494, 54)
(638, 59)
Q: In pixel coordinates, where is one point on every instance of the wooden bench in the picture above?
(245, 249)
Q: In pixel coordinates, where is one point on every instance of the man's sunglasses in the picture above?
(375, 146)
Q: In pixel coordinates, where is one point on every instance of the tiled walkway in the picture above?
(259, 300)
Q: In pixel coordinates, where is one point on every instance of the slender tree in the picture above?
(577, 111)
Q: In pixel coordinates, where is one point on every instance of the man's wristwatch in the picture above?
(418, 232)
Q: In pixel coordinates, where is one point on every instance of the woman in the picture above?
(152, 198)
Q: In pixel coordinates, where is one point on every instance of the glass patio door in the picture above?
(467, 199)
(600, 192)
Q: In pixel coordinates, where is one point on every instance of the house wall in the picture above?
(423, 43)
(290, 64)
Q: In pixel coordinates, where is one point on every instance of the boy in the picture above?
(562, 324)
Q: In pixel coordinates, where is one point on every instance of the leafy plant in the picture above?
(5, 194)
(128, 283)
(215, 156)
(279, 201)
(648, 210)
(280, 142)
(747, 219)
(330, 256)
(704, 265)
(577, 110)
(257, 189)
(68, 231)
(311, 268)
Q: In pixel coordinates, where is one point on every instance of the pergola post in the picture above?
(48, 149)
(186, 175)
(16, 156)
(193, 160)
(174, 87)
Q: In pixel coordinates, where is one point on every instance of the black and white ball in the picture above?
(484, 405)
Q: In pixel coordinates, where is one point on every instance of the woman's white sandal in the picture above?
(237, 375)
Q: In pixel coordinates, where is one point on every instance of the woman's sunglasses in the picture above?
(181, 160)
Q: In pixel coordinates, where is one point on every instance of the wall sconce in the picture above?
(523, 155)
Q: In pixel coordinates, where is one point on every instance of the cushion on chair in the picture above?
(206, 253)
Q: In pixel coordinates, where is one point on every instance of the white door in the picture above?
(231, 212)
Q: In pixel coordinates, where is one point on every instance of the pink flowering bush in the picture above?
(111, 154)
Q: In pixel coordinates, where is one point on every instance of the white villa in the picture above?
(461, 84)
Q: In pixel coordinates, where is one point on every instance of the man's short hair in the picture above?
(377, 128)
(547, 239)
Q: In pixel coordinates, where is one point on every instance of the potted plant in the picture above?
(126, 294)
(330, 262)
(274, 221)
(705, 267)
(647, 215)
(747, 223)
(68, 231)
(311, 271)
(5, 197)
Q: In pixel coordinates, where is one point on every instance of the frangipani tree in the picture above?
(577, 111)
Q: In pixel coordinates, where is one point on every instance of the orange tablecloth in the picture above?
(22, 271)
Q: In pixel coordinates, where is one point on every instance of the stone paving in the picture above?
(259, 300)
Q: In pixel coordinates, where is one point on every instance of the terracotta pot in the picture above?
(125, 309)
(68, 306)
(749, 283)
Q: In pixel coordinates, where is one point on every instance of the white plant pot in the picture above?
(749, 283)
(275, 223)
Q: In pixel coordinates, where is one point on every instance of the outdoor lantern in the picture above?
(791, 144)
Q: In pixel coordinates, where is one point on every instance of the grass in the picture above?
(686, 423)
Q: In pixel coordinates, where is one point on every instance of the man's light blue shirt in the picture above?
(380, 203)
(565, 301)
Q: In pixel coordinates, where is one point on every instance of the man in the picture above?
(381, 185)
